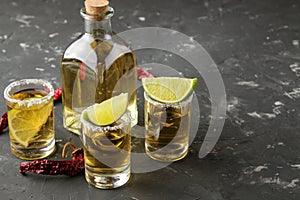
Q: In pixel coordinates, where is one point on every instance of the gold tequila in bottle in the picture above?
(96, 66)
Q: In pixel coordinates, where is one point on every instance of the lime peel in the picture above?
(169, 89)
(108, 111)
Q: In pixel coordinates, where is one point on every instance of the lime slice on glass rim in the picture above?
(108, 111)
(169, 89)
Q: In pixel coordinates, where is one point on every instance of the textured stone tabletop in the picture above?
(255, 45)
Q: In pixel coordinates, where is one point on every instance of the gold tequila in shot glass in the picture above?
(167, 129)
(106, 147)
(167, 110)
(30, 118)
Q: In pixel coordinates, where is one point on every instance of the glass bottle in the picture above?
(95, 67)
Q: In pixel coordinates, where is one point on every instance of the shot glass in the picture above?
(29, 105)
(167, 128)
(107, 152)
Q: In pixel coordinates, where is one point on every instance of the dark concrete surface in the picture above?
(255, 45)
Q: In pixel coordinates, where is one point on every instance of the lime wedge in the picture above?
(109, 110)
(24, 125)
(169, 89)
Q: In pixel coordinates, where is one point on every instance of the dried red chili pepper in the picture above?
(62, 167)
(3, 122)
(142, 73)
(57, 94)
(82, 71)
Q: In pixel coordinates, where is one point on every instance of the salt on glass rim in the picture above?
(29, 102)
(97, 128)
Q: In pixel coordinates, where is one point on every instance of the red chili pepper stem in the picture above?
(63, 154)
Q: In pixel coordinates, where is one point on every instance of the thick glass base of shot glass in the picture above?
(73, 129)
(167, 155)
(37, 152)
(107, 180)
(71, 120)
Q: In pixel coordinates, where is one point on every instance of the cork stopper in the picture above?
(96, 7)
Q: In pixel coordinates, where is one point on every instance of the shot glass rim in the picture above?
(181, 103)
(29, 102)
(99, 128)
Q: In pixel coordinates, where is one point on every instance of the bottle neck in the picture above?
(97, 25)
